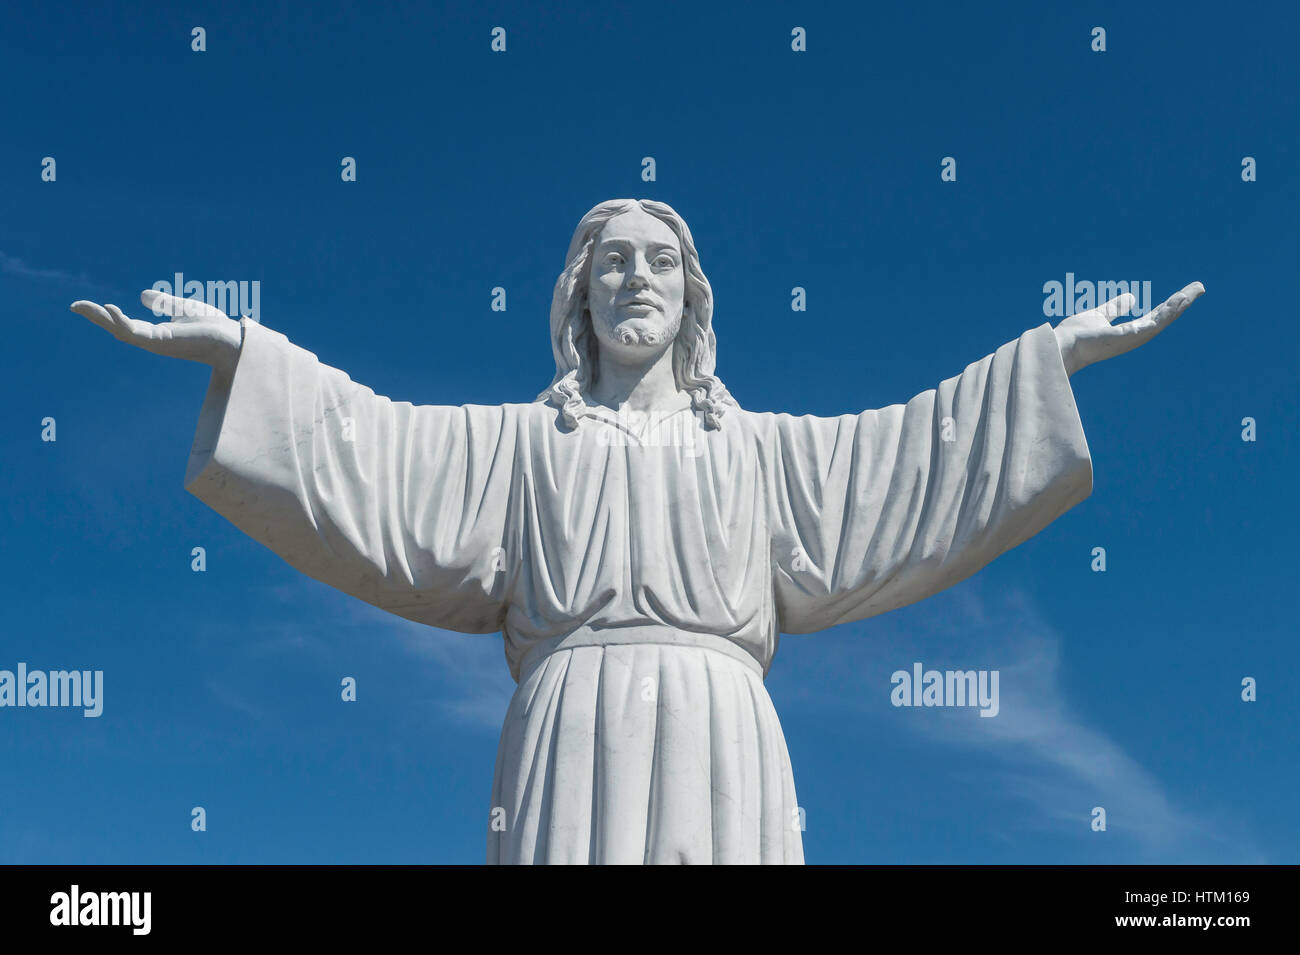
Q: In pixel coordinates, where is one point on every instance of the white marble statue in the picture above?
(639, 539)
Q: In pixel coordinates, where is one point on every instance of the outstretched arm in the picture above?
(399, 505)
(875, 511)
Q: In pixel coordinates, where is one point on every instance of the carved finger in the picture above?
(1117, 306)
(130, 329)
(1148, 326)
(1177, 303)
(96, 314)
(1164, 314)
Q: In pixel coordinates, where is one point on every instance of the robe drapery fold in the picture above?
(640, 580)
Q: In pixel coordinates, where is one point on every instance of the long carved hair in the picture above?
(574, 342)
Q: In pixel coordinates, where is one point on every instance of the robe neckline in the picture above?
(612, 418)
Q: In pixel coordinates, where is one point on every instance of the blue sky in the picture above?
(817, 169)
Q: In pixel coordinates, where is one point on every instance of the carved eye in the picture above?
(666, 261)
(614, 258)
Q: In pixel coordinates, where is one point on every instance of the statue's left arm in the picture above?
(875, 511)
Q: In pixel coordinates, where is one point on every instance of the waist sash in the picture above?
(659, 634)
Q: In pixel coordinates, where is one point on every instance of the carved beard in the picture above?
(629, 334)
(637, 331)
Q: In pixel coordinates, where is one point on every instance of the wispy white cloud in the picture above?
(225, 692)
(466, 675)
(472, 666)
(10, 265)
(1078, 766)
(468, 671)
(1042, 748)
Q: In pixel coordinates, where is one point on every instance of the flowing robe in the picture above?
(639, 582)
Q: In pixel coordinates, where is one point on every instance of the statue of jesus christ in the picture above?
(640, 584)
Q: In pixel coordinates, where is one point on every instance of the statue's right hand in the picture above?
(196, 331)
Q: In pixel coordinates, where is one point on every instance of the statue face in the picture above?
(637, 287)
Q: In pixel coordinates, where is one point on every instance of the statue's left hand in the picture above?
(1090, 337)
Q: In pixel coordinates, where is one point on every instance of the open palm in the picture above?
(1090, 336)
(195, 332)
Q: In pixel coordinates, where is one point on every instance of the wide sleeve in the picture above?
(875, 511)
(401, 506)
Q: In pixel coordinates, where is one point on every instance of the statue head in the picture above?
(632, 286)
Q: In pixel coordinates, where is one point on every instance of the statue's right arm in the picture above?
(402, 506)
